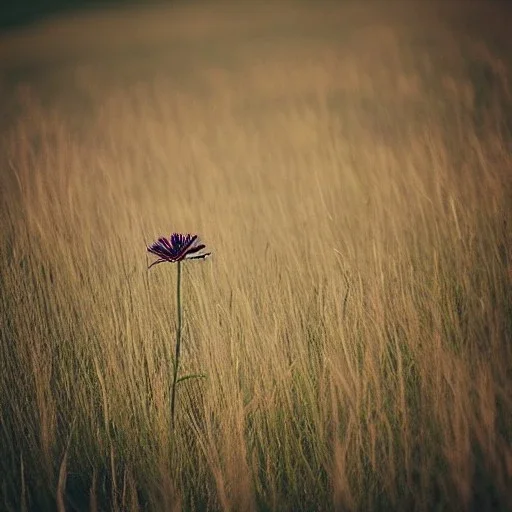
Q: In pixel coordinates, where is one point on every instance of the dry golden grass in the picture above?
(350, 168)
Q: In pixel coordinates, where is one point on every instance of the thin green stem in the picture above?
(178, 344)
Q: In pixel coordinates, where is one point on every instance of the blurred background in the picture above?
(14, 13)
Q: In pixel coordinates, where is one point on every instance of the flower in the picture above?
(177, 248)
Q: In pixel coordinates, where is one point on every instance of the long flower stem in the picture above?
(178, 344)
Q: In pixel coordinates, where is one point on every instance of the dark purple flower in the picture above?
(177, 248)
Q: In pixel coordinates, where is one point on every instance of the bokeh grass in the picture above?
(350, 167)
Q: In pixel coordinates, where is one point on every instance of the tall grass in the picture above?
(354, 321)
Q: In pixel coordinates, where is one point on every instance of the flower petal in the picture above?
(157, 262)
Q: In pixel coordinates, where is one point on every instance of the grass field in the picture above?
(350, 167)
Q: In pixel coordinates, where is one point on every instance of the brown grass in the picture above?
(350, 169)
